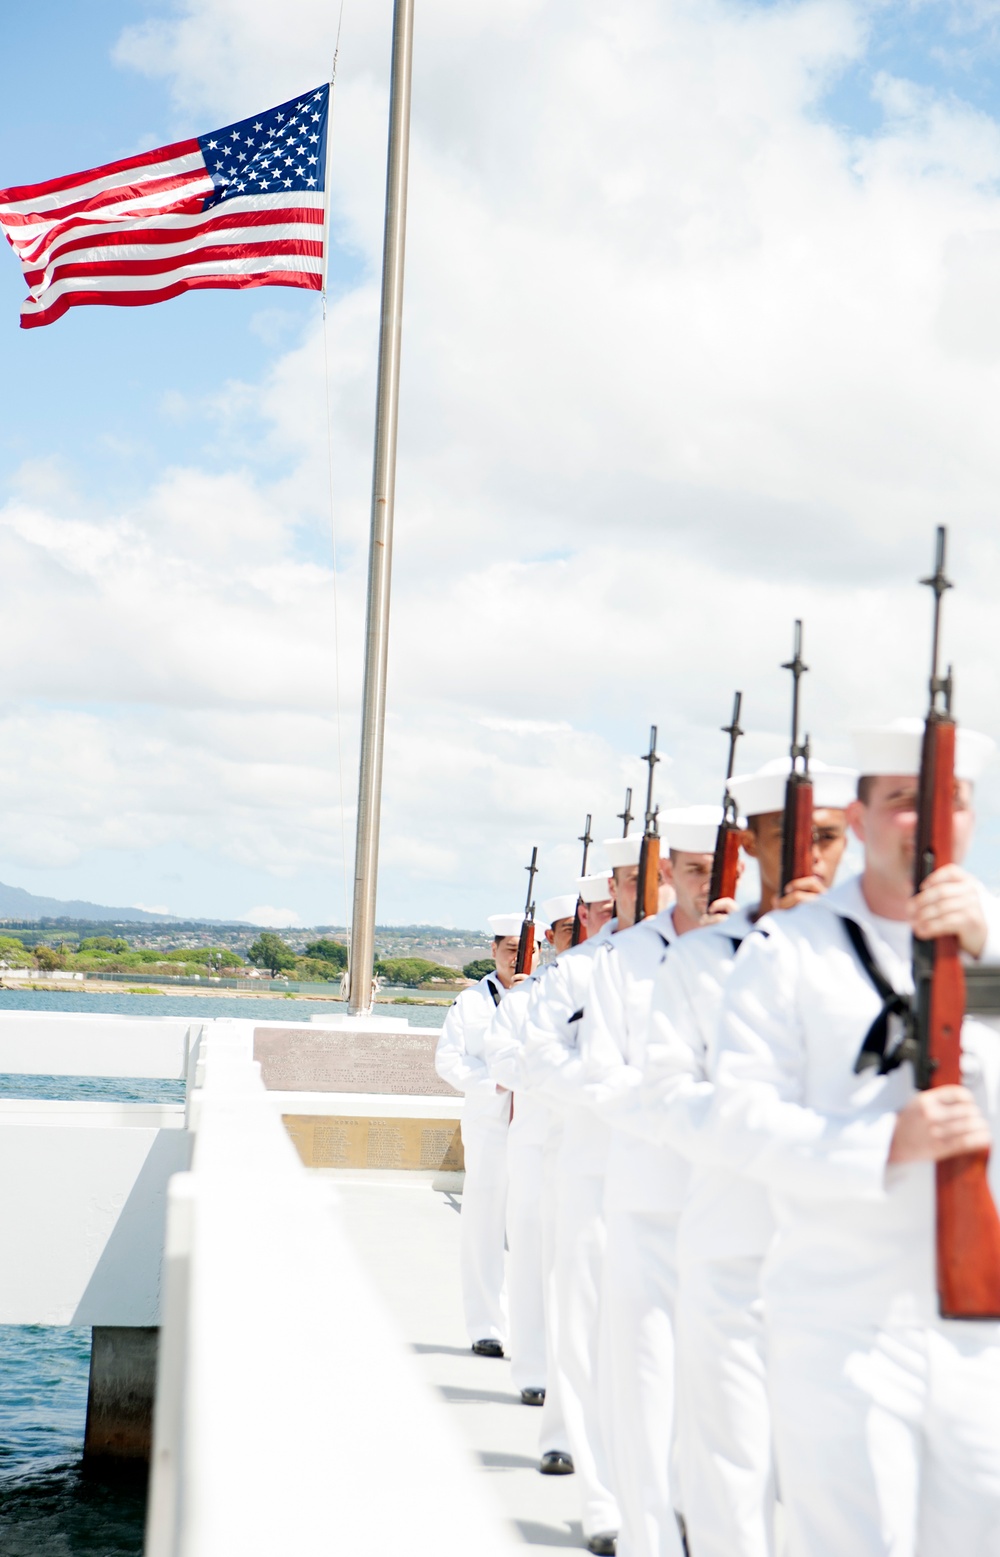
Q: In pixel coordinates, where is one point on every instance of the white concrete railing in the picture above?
(64, 1043)
(82, 1236)
(289, 1417)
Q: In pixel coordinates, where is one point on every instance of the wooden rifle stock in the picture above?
(525, 947)
(725, 865)
(968, 1226)
(647, 883)
(526, 940)
(797, 828)
(796, 838)
(579, 933)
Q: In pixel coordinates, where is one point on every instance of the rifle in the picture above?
(579, 934)
(647, 883)
(968, 1227)
(625, 817)
(797, 831)
(526, 941)
(727, 839)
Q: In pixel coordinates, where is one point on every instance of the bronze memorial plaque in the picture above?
(317, 1059)
(323, 1141)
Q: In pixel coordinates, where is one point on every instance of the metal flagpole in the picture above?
(362, 954)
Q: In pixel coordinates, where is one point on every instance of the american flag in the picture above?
(239, 207)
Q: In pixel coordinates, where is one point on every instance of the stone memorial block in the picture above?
(317, 1059)
(328, 1141)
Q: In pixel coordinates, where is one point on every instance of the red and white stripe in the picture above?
(134, 232)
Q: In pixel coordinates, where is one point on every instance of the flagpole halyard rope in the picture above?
(330, 480)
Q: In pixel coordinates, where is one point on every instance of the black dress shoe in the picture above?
(488, 1348)
(556, 1463)
(532, 1397)
(603, 1545)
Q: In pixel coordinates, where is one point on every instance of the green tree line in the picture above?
(322, 960)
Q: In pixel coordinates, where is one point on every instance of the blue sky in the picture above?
(947, 48)
(699, 309)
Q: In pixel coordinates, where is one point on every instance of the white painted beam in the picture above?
(60, 1043)
(83, 1216)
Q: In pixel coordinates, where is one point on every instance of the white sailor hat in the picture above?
(758, 793)
(895, 748)
(594, 889)
(692, 829)
(505, 924)
(623, 851)
(562, 907)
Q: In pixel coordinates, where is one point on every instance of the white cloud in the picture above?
(681, 361)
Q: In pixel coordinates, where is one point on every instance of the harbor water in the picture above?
(48, 1507)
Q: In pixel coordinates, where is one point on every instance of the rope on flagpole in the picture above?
(330, 479)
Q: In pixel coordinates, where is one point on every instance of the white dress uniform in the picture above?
(886, 1417)
(725, 1227)
(502, 1045)
(576, 1153)
(644, 1190)
(460, 1060)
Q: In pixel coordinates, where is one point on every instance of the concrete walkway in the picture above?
(406, 1232)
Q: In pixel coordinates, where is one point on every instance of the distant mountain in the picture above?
(15, 903)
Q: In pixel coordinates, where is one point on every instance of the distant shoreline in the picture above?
(104, 987)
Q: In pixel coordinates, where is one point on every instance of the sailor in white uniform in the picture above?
(644, 1191)
(595, 909)
(552, 1064)
(723, 1420)
(502, 1045)
(459, 1060)
(886, 1417)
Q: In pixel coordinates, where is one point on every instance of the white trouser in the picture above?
(481, 1240)
(524, 1262)
(723, 1418)
(580, 1238)
(888, 1441)
(552, 1431)
(637, 1377)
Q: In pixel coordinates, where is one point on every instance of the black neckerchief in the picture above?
(876, 1050)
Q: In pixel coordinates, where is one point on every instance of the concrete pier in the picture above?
(120, 1398)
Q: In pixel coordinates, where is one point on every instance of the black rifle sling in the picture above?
(876, 1050)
